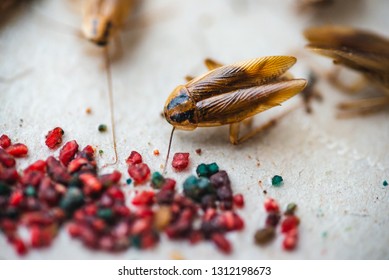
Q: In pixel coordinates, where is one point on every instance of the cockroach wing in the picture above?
(237, 76)
(357, 49)
(238, 105)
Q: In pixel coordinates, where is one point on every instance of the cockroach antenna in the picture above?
(111, 105)
(168, 150)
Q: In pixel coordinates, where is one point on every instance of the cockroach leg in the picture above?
(357, 86)
(212, 64)
(310, 92)
(248, 122)
(235, 127)
(362, 106)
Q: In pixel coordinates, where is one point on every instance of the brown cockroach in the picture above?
(230, 94)
(360, 50)
(103, 19)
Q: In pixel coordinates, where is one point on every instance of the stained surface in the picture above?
(333, 169)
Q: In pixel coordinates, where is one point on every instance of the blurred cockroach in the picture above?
(231, 94)
(103, 19)
(359, 50)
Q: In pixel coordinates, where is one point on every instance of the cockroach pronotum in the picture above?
(359, 50)
(231, 94)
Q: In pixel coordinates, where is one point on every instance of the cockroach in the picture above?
(103, 19)
(360, 50)
(231, 94)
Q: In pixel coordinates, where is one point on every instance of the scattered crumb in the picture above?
(102, 128)
(198, 151)
(175, 255)
(156, 152)
(88, 110)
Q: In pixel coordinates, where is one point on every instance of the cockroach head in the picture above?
(97, 29)
(180, 110)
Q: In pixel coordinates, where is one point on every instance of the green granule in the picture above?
(207, 170)
(157, 180)
(30, 191)
(129, 181)
(101, 152)
(105, 214)
(385, 183)
(102, 128)
(290, 209)
(277, 181)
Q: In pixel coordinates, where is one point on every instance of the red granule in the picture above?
(48, 194)
(238, 200)
(8, 175)
(16, 198)
(271, 205)
(88, 152)
(68, 152)
(221, 242)
(20, 247)
(40, 237)
(272, 219)
(180, 161)
(57, 171)
(76, 164)
(144, 198)
(17, 150)
(111, 179)
(139, 172)
(91, 183)
(289, 223)
(6, 159)
(74, 230)
(141, 226)
(54, 137)
(39, 165)
(195, 237)
(290, 241)
(134, 158)
(5, 142)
